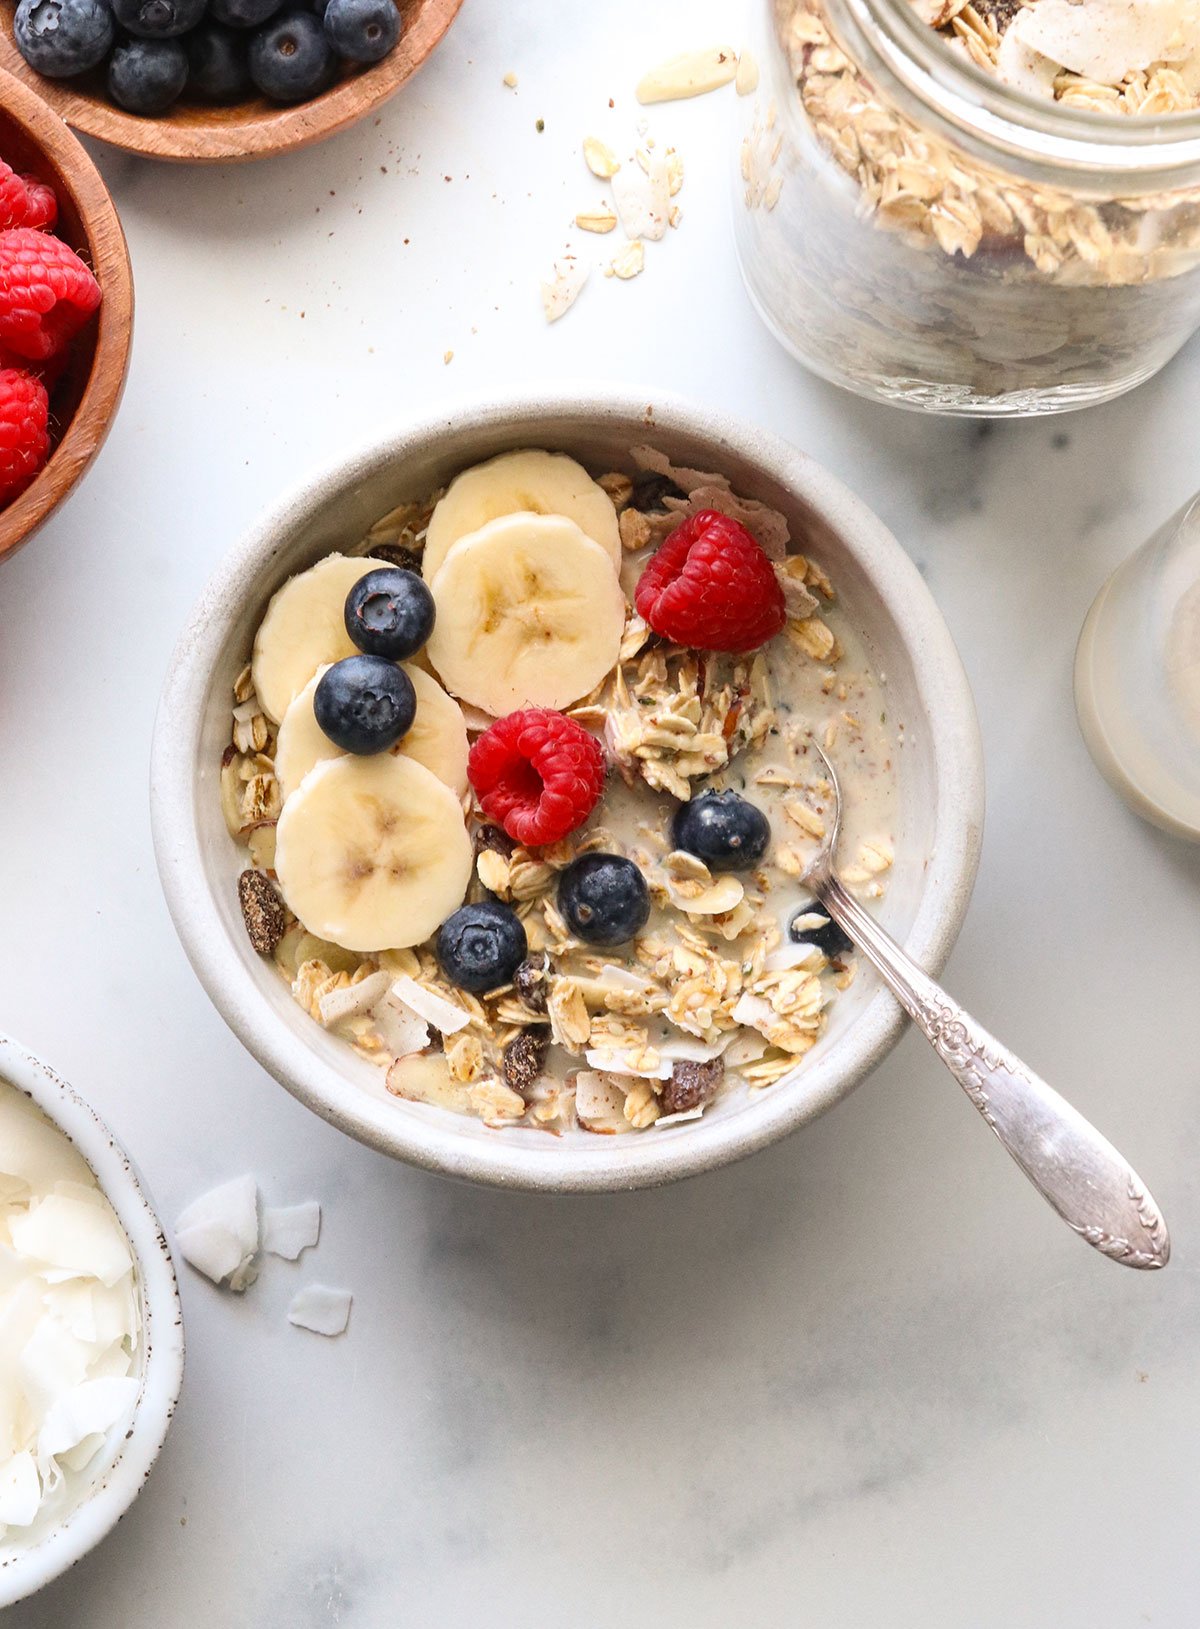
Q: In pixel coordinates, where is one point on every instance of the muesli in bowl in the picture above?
(526, 791)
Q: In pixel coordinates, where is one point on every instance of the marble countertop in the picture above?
(863, 1378)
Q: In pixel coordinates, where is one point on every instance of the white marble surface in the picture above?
(864, 1378)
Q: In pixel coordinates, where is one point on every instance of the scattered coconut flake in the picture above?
(628, 263)
(323, 1310)
(218, 1233)
(446, 1016)
(643, 199)
(691, 74)
(290, 1230)
(564, 287)
(746, 83)
(600, 158)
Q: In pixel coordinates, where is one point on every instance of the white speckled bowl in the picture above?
(940, 773)
(120, 1472)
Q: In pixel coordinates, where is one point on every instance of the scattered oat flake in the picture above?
(510, 79)
(596, 220)
(600, 158)
(691, 74)
(448, 357)
(563, 288)
(324, 1310)
(629, 262)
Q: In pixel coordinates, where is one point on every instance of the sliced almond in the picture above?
(723, 894)
(691, 74)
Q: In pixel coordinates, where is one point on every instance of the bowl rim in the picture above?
(108, 252)
(352, 98)
(957, 772)
(162, 1370)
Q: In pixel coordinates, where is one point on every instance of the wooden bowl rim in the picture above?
(76, 175)
(191, 138)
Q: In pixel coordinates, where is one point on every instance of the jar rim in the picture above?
(1160, 151)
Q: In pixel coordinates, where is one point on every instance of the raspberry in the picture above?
(711, 587)
(538, 774)
(24, 441)
(46, 293)
(25, 201)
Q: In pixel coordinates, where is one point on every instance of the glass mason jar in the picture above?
(920, 233)
(1137, 677)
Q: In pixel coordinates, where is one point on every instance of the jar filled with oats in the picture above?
(986, 208)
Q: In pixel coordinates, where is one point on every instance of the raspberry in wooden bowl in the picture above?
(62, 368)
(248, 87)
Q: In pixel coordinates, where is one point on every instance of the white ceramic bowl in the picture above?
(940, 773)
(117, 1476)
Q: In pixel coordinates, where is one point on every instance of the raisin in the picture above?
(397, 555)
(692, 1084)
(649, 490)
(262, 911)
(530, 980)
(525, 1058)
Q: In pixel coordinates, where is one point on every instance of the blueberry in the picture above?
(604, 899)
(481, 946)
(389, 612)
(243, 13)
(217, 59)
(158, 19)
(365, 704)
(290, 59)
(63, 37)
(146, 76)
(362, 30)
(829, 940)
(723, 830)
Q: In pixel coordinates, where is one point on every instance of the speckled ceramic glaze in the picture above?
(124, 1468)
(940, 776)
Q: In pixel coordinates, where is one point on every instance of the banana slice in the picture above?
(437, 739)
(531, 482)
(529, 613)
(303, 628)
(373, 853)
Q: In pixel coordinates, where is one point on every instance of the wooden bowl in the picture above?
(83, 404)
(200, 133)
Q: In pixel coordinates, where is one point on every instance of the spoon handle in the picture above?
(1077, 1170)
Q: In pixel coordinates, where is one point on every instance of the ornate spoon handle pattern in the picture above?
(1078, 1171)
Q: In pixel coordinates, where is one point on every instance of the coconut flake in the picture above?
(289, 1230)
(643, 199)
(90, 1409)
(1106, 40)
(800, 954)
(564, 286)
(81, 1239)
(323, 1310)
(400, 1029)
(754, 1011)
(218, 1233)
(599, 1102)
(446, 1016)
(610, 1061)
(20, 1491)
(355, 999)
(1019, 65)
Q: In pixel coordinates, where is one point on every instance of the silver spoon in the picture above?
(1070, 1164)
